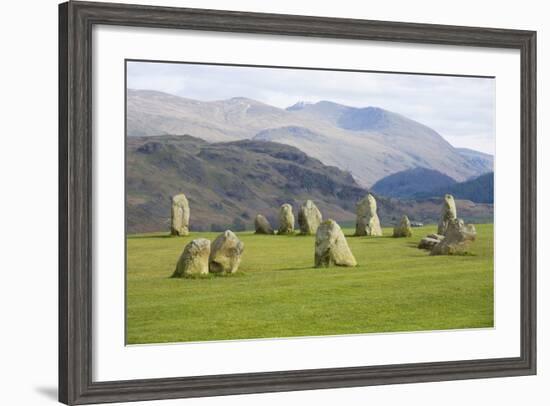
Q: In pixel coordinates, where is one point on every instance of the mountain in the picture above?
(228, 183)
(370, 142)
(479, 190)
(151, 112)
(483, 162)
(412, 182)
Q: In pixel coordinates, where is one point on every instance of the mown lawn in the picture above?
(277, 292)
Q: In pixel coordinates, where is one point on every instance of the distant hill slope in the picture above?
(412, 182)
(483, 162)
(479, 190)
(370, 142)
(227, 184)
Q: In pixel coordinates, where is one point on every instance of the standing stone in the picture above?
(457, 238)
(262, 226)
(309, 218)
(286, 219)
(331, 247)
(225, 254)
(403, 229)
(368, 222)
(448, 213)
(180, 215)
(193, 259)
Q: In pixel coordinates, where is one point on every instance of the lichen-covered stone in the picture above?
(331, 247)
(403, 229)
(286, 219)
(367, 222)
(180, 215)
(194, 259)
(262, 226)
(225, 253)
(309, 218)
(428, 243)
(457, 238)
(448, 213)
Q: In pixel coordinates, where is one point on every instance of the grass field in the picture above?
(277, 292)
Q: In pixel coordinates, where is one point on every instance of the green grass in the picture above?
(277, 292)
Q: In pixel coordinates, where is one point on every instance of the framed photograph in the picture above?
(259, 202)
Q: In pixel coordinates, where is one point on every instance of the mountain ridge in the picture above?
(370, 142)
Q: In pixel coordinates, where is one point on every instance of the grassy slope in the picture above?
(277, 293)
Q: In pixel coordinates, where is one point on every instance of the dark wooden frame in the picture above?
(76, 20)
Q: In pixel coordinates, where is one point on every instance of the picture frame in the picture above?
(76, 20)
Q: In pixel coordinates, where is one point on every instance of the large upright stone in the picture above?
(403, 229)
(262, 226)
(225, 253)
(331, 247)
(309, 218)
(367, 222)
(457, 238)
(286, 219)
(193, 259)
(448, 213)
(180, 215)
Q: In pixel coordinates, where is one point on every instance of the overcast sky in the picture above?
(461, 109)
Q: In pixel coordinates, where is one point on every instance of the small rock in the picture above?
(403, 229)
(428, 243)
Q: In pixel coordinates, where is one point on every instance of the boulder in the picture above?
(262, 226)
(194, 259)
(331, 247)
(368, 222)
(428, 243)
(403, 229)
(457, 238)
(180, 215)
(309, 218)
(225, 253)
(286, 219)
(448, 213)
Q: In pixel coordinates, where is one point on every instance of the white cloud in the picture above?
(461, 109)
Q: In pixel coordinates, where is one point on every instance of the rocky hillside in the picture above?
(227, 184)
(371, 143)
(483, 162)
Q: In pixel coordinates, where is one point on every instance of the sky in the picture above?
(461, 109)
